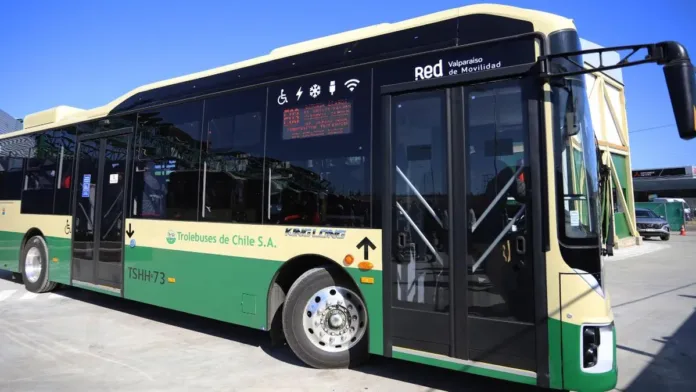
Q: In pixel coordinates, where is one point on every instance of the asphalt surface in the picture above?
(654, 300)
(77, 340)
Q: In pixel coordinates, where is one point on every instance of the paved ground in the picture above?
(654, 301)
(77, 340)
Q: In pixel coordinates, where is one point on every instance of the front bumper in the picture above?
(653, 232)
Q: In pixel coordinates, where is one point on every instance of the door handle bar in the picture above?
(497, 197)
(498, 238)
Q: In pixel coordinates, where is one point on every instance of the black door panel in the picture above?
(100, 209)
(461, 273)
(420, 257)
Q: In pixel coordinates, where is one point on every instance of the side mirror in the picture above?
(572, 123)
(681, 83)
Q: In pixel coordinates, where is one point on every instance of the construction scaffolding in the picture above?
(606, 96)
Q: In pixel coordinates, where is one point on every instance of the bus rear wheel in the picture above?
(325, 320)
(35, 266)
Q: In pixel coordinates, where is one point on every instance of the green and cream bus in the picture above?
(424, 190)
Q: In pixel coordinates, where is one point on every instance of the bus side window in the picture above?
(167, 162)
(40, 173)
(66, 142)
(317, 157)
(11, 165)
(232, 153)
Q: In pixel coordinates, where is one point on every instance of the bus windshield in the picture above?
(578, 159)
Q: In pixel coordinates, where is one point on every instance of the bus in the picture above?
(401, 190)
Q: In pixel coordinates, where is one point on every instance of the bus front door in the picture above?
(460, 281)
(99, 207)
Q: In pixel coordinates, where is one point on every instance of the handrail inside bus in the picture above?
(497, 197)
(419, 196)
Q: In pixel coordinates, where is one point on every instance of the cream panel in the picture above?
(580, 303)
(553, 256)
(12, 220)
(269, 242)
(50, 116)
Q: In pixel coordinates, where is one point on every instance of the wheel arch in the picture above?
(288, 273)
(33, 232)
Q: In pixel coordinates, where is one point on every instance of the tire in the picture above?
(664, 237)
(35, 255)
(309, 324)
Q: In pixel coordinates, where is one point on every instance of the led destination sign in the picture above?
(321, 119)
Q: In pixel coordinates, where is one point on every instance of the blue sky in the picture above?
(86, 53)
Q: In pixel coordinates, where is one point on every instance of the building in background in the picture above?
(9, 123)
(605, 93)
(666, 182)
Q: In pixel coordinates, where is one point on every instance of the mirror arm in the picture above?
(660, 53)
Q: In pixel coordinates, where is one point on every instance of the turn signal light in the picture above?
(365, 266)
(348, 259)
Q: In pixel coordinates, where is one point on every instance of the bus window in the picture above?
(12, 154)
(233, 157)
(40, 173)
(67, 138)
(318, 148)
(166, 171)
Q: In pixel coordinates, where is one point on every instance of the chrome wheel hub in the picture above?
(32, 265)
(335, 319)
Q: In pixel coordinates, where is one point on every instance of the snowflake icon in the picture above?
(315, 90)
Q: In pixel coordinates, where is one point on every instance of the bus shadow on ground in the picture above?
(431, 378)
(671, 369)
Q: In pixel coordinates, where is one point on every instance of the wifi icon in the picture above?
(352, 84)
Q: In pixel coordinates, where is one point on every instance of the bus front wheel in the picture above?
(35, 266)
(325, 320)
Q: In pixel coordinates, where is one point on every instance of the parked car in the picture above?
(650, 224)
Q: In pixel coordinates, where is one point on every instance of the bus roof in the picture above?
(64, 115)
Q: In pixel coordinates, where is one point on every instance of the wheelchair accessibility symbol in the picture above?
(282, 98)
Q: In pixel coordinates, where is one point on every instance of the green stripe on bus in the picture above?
(58, 255)
(225, 288)
(9, 250)
(59, 259)
(555, 355)
(464, 367)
